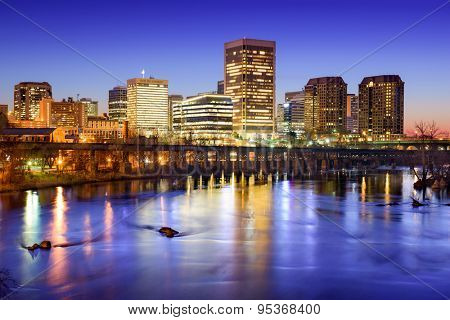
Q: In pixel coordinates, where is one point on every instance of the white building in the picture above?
(148, 103)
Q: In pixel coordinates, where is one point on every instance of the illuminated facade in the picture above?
(148, 105)
(101, 129)
(27, 96)
(90, 107)
(250, 82)
(381, 107)
(117, 103)
(280, 124)
(207, 115)
(352, 113)
(66, 113)
(173, 100)
(326, 105)
(294, 111)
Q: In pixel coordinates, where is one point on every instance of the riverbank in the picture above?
(48, 180)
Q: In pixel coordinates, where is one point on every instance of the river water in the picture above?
(323, 238)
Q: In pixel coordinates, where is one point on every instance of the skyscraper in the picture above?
(381, 107)
(174, 99)
(27, 96)
(220, 87)
(117, 103)
(90, 107)
(294, 111)
(352, 113)
(250, 81)
(148, 103)
(280, 124)
(325, 105)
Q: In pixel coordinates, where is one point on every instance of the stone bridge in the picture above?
(181, 160)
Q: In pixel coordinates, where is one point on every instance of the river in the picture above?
(330, 237)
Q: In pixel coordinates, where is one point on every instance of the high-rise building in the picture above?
(207, 115)
(220, 87)
(90, 107)
(173, 100)
(326, 105)
(65, 113)
(117, 103)
(250, 81)
(27, 96)
(148, 104)
(381, 107)
(294, 111)
(352, 113)
(4, 109)
(280, 124)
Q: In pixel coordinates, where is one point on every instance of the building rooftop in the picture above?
(250, 42)
(382, 78)
(26, 131)
(325, 80)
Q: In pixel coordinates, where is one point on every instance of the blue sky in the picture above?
(182, 41)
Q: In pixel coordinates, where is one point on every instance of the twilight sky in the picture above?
(182, 41)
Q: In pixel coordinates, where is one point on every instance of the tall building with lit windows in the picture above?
(352, 113)
(381, 107)
(117, 103)
(294, 111)
(27, 96)
(174, 99)
(148, 104)
(250, 82)
(90, 107)
(326, 105)
(65, 113)
(206, 115)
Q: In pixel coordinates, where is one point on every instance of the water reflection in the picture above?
(57, 274)
(240, 239)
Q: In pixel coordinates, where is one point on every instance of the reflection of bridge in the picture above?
(172, 160)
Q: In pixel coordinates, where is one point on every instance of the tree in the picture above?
(426, 132)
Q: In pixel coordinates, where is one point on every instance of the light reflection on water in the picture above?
(239, 241)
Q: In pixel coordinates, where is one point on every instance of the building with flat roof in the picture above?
(90, 107)
(65, 113)
(103, 129)
(117, 103)
(173, 100)
(352, 113)
(220, 87)
(207, 115)
(250, 81)
(294, 110)
(148, 105)
(381, 107)
(27, 96)
(326, 105)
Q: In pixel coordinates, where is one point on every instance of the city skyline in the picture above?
(298, 59)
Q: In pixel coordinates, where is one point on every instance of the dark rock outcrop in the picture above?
(45, 245)
(168, 232)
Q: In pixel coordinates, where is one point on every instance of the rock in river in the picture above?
(45, 244)
(168, 232)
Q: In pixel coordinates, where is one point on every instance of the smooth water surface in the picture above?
(327, 238)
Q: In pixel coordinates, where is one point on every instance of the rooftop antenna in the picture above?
(143, 73)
